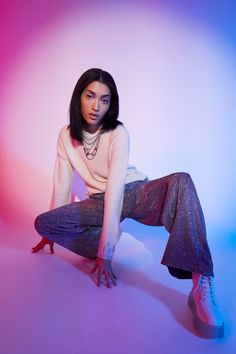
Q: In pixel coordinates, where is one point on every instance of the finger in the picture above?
(36, 248)
(51, 248)
(99, 277)
(107, 280)
(94, 269)
(113, 274)
(112, 279)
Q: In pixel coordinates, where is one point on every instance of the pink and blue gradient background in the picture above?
(174, 65)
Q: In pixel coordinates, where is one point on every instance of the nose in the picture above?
(95, 105)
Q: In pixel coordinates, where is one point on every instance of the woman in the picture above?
(96, 145)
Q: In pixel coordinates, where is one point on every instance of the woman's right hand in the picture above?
(104, 271)
(41, 245)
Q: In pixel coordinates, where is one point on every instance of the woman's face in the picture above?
(95, 102)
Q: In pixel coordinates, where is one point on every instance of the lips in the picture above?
(94, 117)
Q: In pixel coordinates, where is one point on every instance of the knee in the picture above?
(38, 224)
(183, 179)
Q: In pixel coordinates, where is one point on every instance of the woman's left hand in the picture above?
(105, 273)
(41, 245)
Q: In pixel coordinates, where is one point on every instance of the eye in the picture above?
(88, 95)
(105, 101)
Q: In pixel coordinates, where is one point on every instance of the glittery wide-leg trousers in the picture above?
(170, 201)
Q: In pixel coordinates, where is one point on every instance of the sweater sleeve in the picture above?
(62, 176)
(113, 199)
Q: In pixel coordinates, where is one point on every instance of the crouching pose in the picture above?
(96, 145)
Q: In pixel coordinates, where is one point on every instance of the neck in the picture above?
(91, 128)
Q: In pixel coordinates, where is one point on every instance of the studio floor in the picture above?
(49, 303)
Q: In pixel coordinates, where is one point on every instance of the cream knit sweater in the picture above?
(108, 172)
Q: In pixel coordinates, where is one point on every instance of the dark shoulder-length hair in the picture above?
(110, 120)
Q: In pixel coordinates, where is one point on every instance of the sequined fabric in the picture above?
(170, 201)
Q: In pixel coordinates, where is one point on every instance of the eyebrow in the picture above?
(95, 93)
